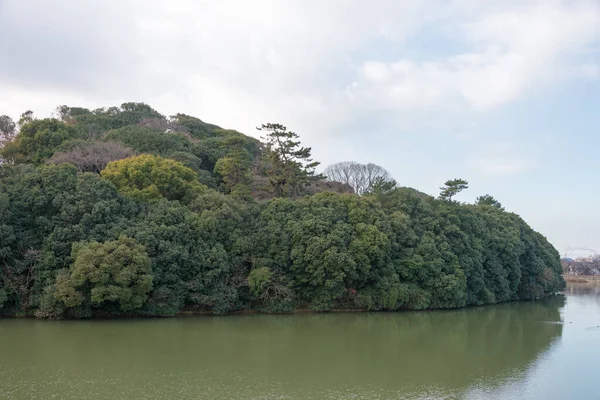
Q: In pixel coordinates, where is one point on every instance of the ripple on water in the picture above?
(28, 383)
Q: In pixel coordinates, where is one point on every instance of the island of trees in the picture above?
(124, 211)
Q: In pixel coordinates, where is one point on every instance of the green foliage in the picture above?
(147, 236)
(487, 200)
(196, 127)
(291, 167)
(3, 297)
(25, 118)
(211, 149)
(452, 187)
(148, 178)
(37, 140)
(259, 279)
(93, 124)
(234, 170)
(187, 159)
(381, 188)
(8, 130)
(192, 251)
(194, 162)
(116, 272)
(270, 290)
(148, 140)
(325, 245)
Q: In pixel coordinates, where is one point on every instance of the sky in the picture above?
(503, 94)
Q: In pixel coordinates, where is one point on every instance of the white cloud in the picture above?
(309, 64)
(513, 49)
(376, 72)
(383, 83)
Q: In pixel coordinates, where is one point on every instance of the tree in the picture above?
(196, 127)
(63, 113)
(452, 187)
(345, 172)
(115, 272)
(323, 244)
(38, 139)
(191, 250)
(26, 118)
(488, 200)
(69, 114)
(290, 164)
(391, 248)
(234, 169)
(3, 297)
(92, 157)
(188, 159)
(150, 178)
(271, 289)
(145, 139)
(381, 189)
(8, 130)
(361, 177)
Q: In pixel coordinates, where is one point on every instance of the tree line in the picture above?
(124, 211)
(581, 265)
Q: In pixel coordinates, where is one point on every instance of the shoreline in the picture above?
(197, 312)
(582, 278)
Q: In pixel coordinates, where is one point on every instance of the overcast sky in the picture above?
(505, 94)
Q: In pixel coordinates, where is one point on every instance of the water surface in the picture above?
(547, 349)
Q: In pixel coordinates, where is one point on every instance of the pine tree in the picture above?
(452, 187)
(291, 167)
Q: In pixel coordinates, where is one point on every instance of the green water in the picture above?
(547, 349)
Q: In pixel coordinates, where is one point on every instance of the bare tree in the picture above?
(374, 174)
(582, 265)
(344, 172)
(361, 177)
(94, 157)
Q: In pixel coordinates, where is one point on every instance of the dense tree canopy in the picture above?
(488, 200)
(148, 177)
(37, 140)
(116, 272)
(125, 211)
(234, 170)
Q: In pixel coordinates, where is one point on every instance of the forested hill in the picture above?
(125, 211)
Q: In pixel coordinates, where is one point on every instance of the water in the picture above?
(547, 349)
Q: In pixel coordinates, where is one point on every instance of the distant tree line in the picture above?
(124, 211)
(582, 265)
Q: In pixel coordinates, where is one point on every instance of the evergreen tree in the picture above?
(291, 167)
(452, 187)
(488, 200)
(234, 169)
